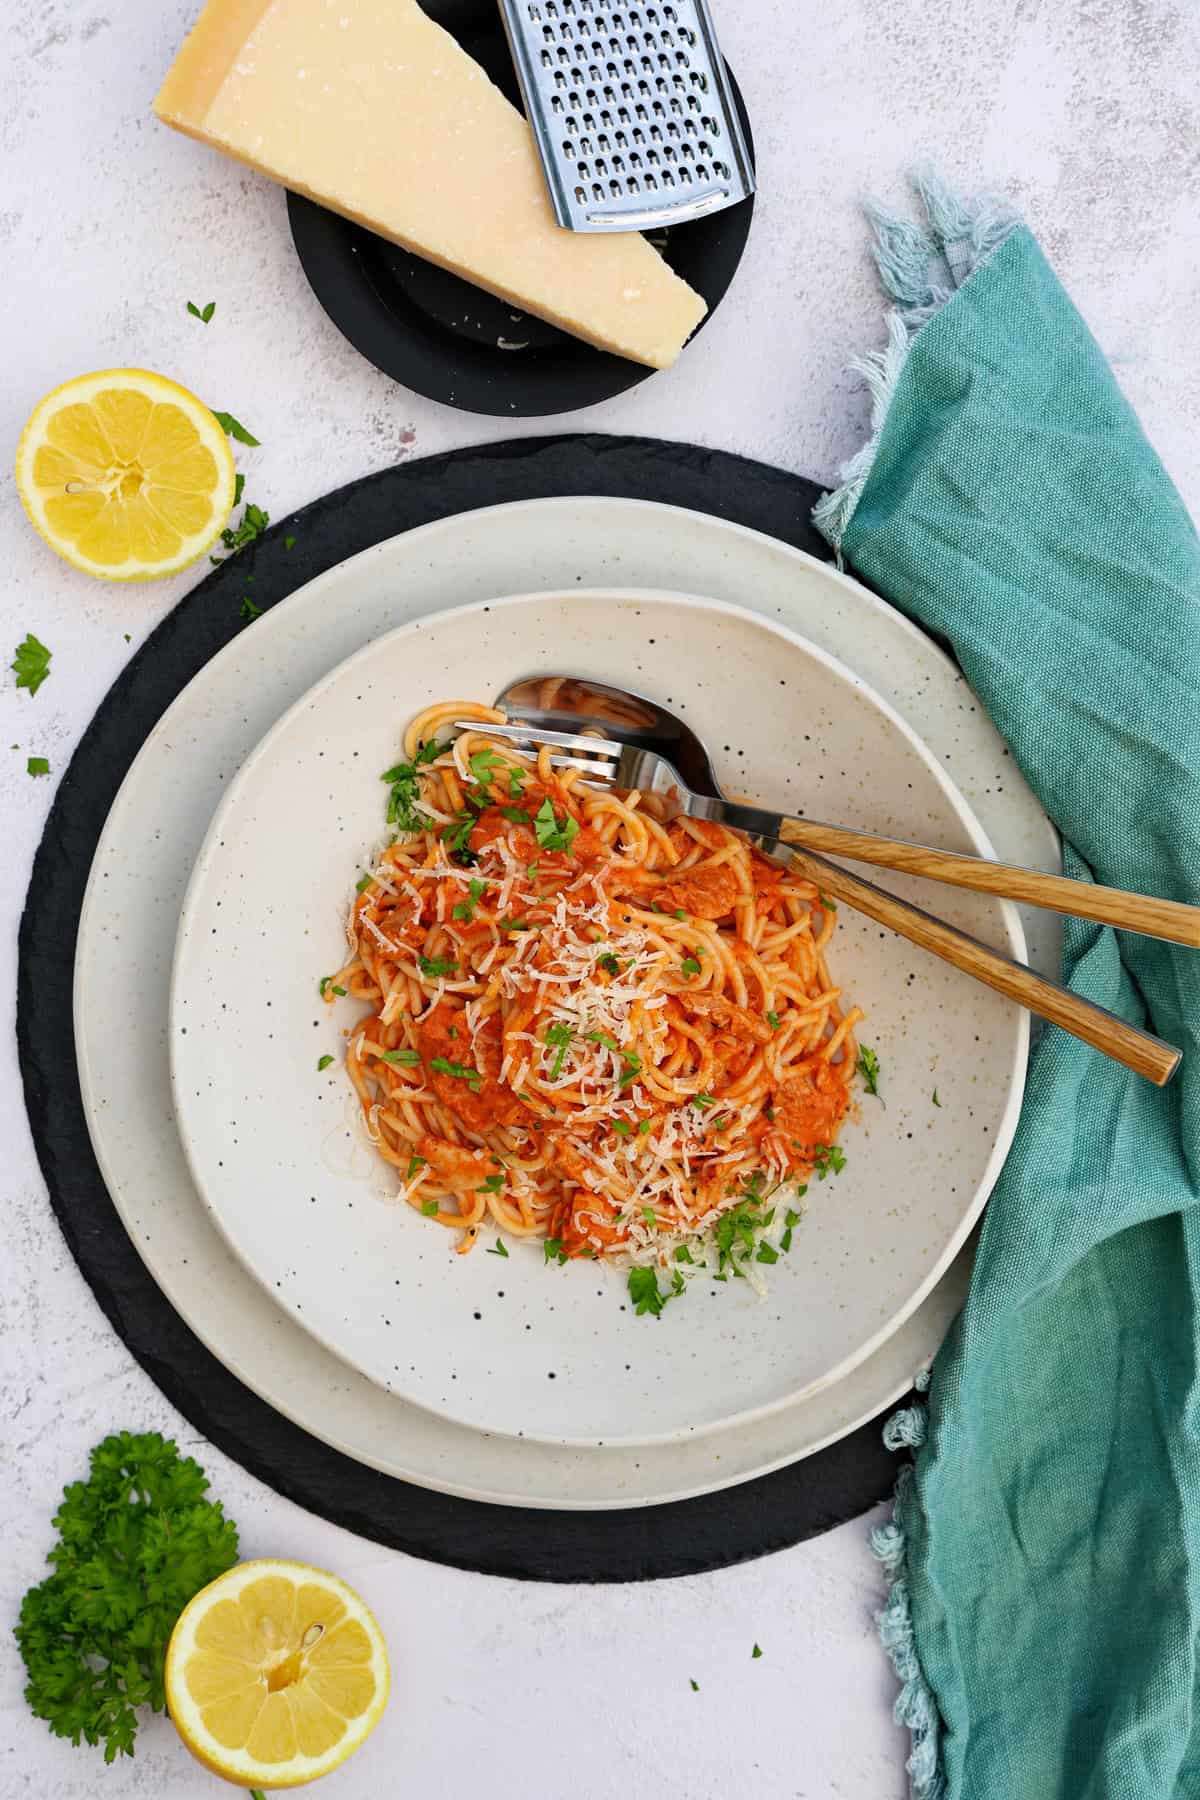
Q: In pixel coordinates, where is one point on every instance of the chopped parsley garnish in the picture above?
(650, 1216)
(363, 883)
(323, 984)
(690, 966)
(632, 1067)
(465, 910)
(645, 1293)
(755, 1653)
(827, 904)
(622, 1127)
(37, 765)
(703, 1101)
(722, 1122)
(249, 612)
(828, 1159)
(936, 1101)
(414, 1164)
(31, 664)
(481, 765)
(436, 966)
(531, 871)
(679, 913)
(602, 1038)
(340, 992)
(430, 1208)
(695, 1684)
(403, 810)
(644, 1128)
(791, 1219)
(507, 924)
(253, 523)
(550, 834)
(516, 781)
(559, 1035)
(323, 1062)
(203, 313)
(456, 836)
(289, 542)
(767, 1254)
(868, 1068)
(774, 1021)
(234, 428)
(497, 1249)
(492, 1184)
(608, 963)
(441, 1065)
(403, 1059)
(515, 814)
(683, 1254)
(552, 1251)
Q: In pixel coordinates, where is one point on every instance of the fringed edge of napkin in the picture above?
(915, 1707)
(922, 268)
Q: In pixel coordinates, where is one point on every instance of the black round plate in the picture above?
(447, 339)
(682, 1538)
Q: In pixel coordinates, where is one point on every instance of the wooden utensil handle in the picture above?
(1170, 919)
(1137, 1050)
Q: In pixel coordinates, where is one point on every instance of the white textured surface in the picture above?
(1085, 110)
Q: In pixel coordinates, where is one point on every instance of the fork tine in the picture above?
(607, 769)
(527, 734)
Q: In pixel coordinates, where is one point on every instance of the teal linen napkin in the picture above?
(1046, 1543)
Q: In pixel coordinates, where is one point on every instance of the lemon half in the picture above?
(126, 474)
(275, 1673)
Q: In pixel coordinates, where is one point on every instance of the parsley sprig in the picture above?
(402, 808)
(553, 833)
(868, 1068)
(31, 665)
(136, 1540)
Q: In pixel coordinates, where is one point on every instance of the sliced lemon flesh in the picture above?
(126, 474)
(275, 1673)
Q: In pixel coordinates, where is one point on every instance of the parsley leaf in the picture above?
(31, 664)
(936, 1101)
(828, 1159)
(415, 1163)
(37, 765)
(690, 966)
(492, 1185)
(249, 611)
(289, 543)
(868, 1068)
(430, 1208)
(549, 833)
(755, 1653)
(622, 1127)
(644, 1128)
(602, 1038)
(515, 814)
(253, 523)
(363, 883)
(774, 1021)
(683, 1254)
(695, 1684)
(323, 1062)
(646, 1294)
(402, 1059)
(552, 1251)
(608, 963)
(703, 1101)
(465, 910)
(516, 781)
(559, 1035)
(203, 313)
(137, 1540)
(766, 1254)
(456, 836)
(234, 428)
(631, 1068)
(827, 905)
(497, 1249)
(436, 966)
(442, 1066)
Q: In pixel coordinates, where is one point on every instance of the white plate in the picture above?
(563, 1357)
(127, 935)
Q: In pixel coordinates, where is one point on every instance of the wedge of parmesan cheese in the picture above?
(371, 109)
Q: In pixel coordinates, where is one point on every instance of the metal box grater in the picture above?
(631, 109)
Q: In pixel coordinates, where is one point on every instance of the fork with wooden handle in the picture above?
(625, 765)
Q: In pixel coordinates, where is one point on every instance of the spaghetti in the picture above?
(589, 1022)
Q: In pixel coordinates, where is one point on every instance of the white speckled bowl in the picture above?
(555, 1354)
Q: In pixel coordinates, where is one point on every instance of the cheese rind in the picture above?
(371, 109)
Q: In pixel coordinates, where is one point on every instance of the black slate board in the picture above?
(683, 1538)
